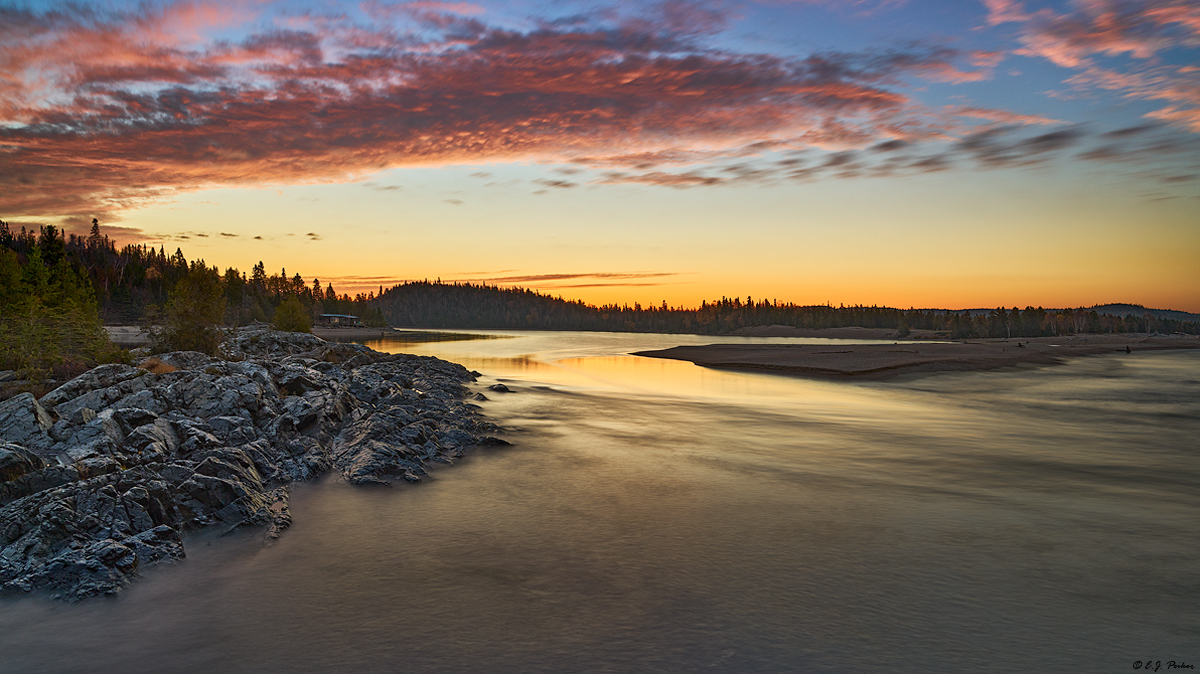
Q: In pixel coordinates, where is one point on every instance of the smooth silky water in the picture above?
(654, 516)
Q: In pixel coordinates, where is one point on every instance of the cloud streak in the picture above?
(355, 284)
(1099, 30)
(1139, 28)
(539, 279)
(102, 111)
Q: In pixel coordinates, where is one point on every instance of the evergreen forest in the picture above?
(58, 290)
(428, 304)
(133, 283)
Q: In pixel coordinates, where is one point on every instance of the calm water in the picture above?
(658, 517)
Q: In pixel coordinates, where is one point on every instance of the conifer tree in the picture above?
(292, 316)
(194, 313)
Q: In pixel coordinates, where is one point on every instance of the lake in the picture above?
(654, 516)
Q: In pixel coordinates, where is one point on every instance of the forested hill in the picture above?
(1139, 310)
(464, 305)
(127, 285)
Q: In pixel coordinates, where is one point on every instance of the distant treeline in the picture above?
(466, 305)
(130, 285)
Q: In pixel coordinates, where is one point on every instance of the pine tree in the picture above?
(194, 313)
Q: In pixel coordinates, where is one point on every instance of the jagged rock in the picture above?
(100, 377)
(96, 399)
(109, 468)
(149, 399)
(25, 422)
(297, 383)
(157, 439)
(16, 461)
(499, 388)
(259, 342)
(234, 431)
(185, 360)
(102, 430)
(133, 417)
(36, 481)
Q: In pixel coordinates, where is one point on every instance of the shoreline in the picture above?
(350, 333)
(885, 361)
(837, 333)
(132, 336)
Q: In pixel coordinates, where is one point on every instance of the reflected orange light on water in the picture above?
(660, 377)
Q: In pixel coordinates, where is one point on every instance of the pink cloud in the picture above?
(663, 179)
(946, 72)
(1139, 28)
(464, 8)
(1188, 117)
(1179, 86)
(106, 111)
(861, 7)
(1136, 29)
(1004, 11)
(986, 59)
(1003, 116)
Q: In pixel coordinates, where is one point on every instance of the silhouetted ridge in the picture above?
(1139, 310)
(425, 304)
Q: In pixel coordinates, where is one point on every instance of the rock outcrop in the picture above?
(100, 476)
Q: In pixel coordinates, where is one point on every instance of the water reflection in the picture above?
(549, 346)
(600, 361)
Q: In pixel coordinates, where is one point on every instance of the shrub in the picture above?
(292, 316)
(156, 366)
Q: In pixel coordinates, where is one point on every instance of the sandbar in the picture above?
(883, 361)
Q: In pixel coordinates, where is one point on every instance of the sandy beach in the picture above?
(881, 361)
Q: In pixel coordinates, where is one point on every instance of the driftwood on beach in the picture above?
(100, 476)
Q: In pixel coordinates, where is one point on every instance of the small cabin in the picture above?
(338, 320)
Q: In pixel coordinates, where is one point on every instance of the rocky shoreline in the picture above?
(99, 478)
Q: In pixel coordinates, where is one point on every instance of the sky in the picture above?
(909, 153)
